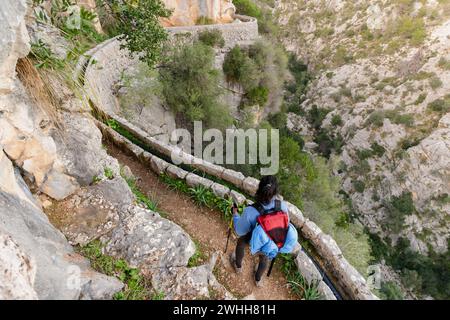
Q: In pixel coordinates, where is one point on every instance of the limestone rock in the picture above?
(17, 271)
(150, 242)
(60, 272)
(14, 40)
(307, 268)
(95, 210)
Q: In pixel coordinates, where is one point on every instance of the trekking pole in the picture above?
(230, 226)
(229, 234)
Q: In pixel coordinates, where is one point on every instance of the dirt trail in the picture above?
(209, 230)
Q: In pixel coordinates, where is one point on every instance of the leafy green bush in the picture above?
(411, 28)
(359, 186)
(435, 83)
(328, 142)
(444, 63)
(375, 118)
(258, 95)
(239, 68)
(191, 85)
(336, 120)
(316, 116)
(260, 70)
(44, 57)
(377, 149)
(140, 28)
(440, 105)
(248, 8)
(390, 291)
(403, 203)
(212, 38)
(421, 98)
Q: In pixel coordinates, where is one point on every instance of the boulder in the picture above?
(95, 211)
(59, 272)
(15, 40)
(191, 283)
(17, 272)
(80, 149)
(150, 242)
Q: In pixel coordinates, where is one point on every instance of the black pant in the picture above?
(240, 251)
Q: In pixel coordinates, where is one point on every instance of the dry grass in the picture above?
(41, 93)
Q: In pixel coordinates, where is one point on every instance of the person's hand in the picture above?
(234, 209)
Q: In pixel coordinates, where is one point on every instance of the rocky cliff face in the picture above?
(50, 154)
(382, 73)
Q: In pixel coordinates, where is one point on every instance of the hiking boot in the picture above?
(233, 263)
(259, 283)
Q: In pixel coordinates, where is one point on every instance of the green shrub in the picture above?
(377, 149)
(191, 85)
(136, 286)
(435, 83)
(278, 120)
(421, 98)
(258, 95)
(336, 120)
(390, 291)
(212, 38)
(440, 105)
(316, 116)
(359, 186)
(239, 68)
(248, 8)
(403, 203)
(44, 57)
(444, 63)
(375, 118)
(140, 28)
(412, 29)
(363, 154)
(108, 173)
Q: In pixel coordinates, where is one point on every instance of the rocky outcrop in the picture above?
(17, 271)
(391, 94)
(187, 13)
(60, 273)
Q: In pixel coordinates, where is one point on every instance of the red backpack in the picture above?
(274, 222)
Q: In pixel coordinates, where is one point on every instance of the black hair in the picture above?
(267, 189)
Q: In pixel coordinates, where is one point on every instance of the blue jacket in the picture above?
(260, 241)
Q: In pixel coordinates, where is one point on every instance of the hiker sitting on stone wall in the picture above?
(265, 226)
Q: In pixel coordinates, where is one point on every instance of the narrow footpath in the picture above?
(207, 228)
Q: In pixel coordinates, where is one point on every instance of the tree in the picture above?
(141, 30)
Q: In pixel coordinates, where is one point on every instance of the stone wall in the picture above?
(243, 29)
(98, 87)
